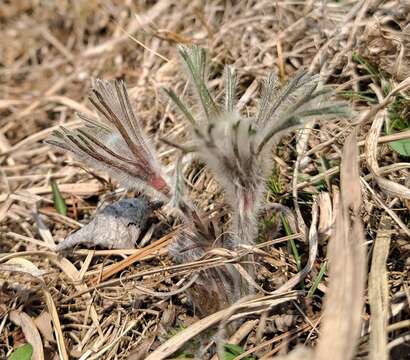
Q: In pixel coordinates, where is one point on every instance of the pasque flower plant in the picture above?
(234, 147)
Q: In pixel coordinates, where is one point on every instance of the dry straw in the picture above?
(124, 303)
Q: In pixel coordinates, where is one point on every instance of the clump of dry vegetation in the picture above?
(330, 199)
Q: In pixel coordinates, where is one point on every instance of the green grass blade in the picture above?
(181, 106)
(319, 277)
(58, 200)
(292, 243)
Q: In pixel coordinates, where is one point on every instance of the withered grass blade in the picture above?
(341, 322)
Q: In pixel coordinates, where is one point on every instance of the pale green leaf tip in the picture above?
(58, 200)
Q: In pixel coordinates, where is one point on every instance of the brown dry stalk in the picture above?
(148, 250)
(347, 259)
(379, 292)
(30, 331)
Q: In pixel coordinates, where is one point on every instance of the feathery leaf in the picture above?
(230, 89)
(115, 142)
(195, 59)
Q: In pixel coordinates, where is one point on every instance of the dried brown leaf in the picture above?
(344, 302)
(390, 187)
(379, 293)
(43, 323)
(30, 331)
(326, 217)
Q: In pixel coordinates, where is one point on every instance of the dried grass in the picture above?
(110, 304)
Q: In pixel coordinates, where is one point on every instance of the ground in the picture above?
(113, 304)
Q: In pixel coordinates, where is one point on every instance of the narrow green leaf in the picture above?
(235, 128)
(366, 96)
(231, 351)
(399, 120)
(373, 71)
(274, 184)
(195, 58)
(336, 109)
(298, 118)
(175, 98)
(24, 352)
(234, 349)
(292, 243)
(293, 247)
(270, 89)
(58, 200)
(319, 277)
(230, 88)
